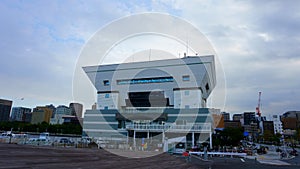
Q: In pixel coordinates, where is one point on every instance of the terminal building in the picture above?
(153, 101)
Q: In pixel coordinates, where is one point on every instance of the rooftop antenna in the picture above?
(187, 45)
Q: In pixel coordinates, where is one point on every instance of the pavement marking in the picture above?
(274, 162)
(242, 160)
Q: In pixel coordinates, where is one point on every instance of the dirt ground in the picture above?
(34, 157)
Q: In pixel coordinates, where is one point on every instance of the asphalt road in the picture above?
(242, 163)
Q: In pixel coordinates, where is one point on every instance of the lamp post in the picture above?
(10, 135)
(205, 144)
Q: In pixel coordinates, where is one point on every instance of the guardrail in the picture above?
(221, 153)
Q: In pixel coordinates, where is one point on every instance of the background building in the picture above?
(60, 111)
(41, 114)
(291, 120)
(232, 124)
(76, 109)
(249, 117)
(237, 117)
(226, 116)
(19, 113)
(218, 120)
(51, 107)
(28, 117)
(5, 108)
(268, 126)
(277, 124)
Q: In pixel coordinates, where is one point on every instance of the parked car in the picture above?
(65, 141)
(294, 152)
(7, 134)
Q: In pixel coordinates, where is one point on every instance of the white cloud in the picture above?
(265, 36)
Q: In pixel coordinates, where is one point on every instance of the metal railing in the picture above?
(198, 127)
(143, 109)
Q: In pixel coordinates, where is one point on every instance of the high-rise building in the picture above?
(60, 112)
(249, 117)
(291, 120)
(76, 109)
(277, 124)
(158, 99)
(18, 113)
(28, 117)
(218, 120)
(226, 116)
(41, 114)
(237, 117)
(51, 107)
(232, 124)
(268, 126)
(252, 129)
(5, 108)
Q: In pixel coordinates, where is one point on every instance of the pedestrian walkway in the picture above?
(271, 158)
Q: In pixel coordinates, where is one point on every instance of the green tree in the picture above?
(268, 135)
(298, 134)
(229, 137)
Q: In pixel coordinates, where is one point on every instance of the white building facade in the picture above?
(147, 99)
(277, 124)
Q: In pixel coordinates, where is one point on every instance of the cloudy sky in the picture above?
(257, 43)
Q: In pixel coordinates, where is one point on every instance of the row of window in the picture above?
(146, 80)
(186, 93)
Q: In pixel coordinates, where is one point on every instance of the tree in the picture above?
(235, 135)
(229, 137)
(268, 135)
(298, 134)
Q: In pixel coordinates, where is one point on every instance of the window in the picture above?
(106, 82)
(186, 78)
(121, 124)
(145, 80)
(105, 107)
(207, 86)
(186, 92)
(107, 95)
(187, 106)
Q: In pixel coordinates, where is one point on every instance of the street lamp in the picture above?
(10, 135)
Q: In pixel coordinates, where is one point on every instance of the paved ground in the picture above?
(34, 157)
(245, 163)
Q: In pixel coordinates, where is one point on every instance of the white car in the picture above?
(7, 135)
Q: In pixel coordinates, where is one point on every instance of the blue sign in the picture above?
(246, 133)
